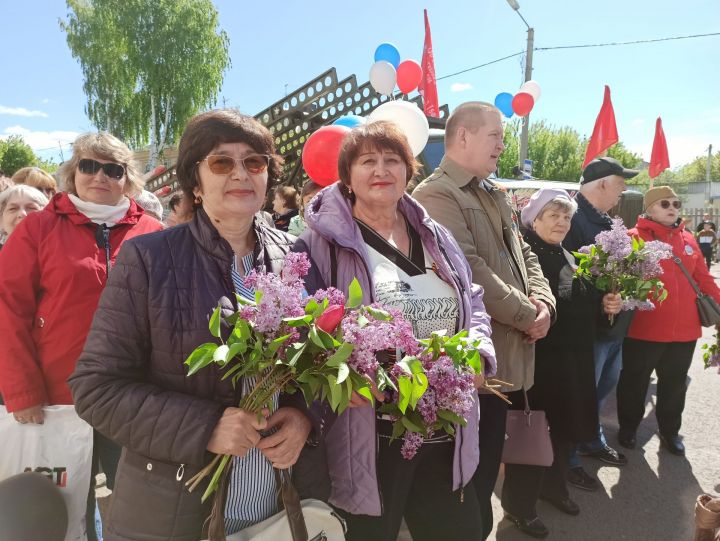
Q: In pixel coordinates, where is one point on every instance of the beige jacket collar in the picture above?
(458, 174)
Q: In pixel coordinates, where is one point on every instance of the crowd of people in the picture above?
(101, 303)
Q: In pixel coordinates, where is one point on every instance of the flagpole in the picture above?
(524, 134)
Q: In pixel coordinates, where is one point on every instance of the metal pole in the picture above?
(523, 154)
(708, 174)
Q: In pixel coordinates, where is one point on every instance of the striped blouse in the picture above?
(252, 488)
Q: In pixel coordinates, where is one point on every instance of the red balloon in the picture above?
(522, 103)
(321, 152)
(409, 75)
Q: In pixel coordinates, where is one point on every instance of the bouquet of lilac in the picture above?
(445, 368)
(711, 352)
(619, 263)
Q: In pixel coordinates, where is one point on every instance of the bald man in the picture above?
(517, 296)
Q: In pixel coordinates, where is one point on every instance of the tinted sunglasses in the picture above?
(666, 204)
(224, 165)
(114, 171)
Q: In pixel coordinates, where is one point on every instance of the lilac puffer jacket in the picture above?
(351, 442)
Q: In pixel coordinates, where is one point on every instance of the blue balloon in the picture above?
(503, 101)
(389, 53)
(351, 121)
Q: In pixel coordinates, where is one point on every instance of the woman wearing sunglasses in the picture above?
(53, 269)
(663, 339)
(131, 383)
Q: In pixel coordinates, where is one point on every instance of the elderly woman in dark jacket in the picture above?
(564, 369)
(130, 381)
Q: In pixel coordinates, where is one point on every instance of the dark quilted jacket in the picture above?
(130, 381)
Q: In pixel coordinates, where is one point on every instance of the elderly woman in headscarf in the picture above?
(564, 368)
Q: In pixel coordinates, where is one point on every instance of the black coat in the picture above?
(131, 385)
(564, 360)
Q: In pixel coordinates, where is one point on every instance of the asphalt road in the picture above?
(653, 497)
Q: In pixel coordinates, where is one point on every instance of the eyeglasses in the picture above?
(666, 204)
(224, 165)
(114, 171)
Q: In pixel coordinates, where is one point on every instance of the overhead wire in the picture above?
(584, 46)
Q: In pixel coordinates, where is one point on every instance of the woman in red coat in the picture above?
(663, 339)
(53, 269)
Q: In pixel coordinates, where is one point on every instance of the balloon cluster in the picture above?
(521, 103)
(388, 70)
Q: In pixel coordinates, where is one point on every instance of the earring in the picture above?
(198, 200)
(349, 189)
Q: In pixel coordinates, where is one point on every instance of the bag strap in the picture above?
(527, 402)
(694, 285)
(293, 509)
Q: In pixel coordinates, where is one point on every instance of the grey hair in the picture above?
(22, 189)
(559, 203)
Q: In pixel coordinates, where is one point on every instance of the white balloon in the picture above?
(409, 118)
(532, 88)
(383, 77)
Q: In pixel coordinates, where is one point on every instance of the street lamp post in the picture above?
(523, 154)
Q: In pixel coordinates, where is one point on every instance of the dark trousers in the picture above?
(525, 484)
(106, 455)
(707, 251)
(420, 490)
(671, 362)
(493, 414)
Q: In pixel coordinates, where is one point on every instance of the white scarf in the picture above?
(101, 214)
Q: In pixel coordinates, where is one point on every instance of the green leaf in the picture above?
(355, 294)
(365, 392)
(334, 392)
(220, 355)
(315, 338)
(450, 416)
(412, 427)
(215, 322)
(398, 430)
(311, 306)
(419, 386)
(405, 389)
(200, 357)
(378, 314)
(341, 355)
(343, 372)
(258, 296)
(300, 321)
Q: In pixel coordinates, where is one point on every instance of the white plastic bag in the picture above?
(61, 448)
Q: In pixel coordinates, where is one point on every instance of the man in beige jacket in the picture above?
(517, 296)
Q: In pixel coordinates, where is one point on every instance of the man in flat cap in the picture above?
(602, 183)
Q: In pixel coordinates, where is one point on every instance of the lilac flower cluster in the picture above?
(334, 296)
(282, 296)
(616, 242)
(448, 389)
(370, 335)
(649, 258)
(635, 304)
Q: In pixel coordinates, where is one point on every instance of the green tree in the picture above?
(149, 65)
(15, 154)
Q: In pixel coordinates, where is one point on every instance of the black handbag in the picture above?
(708, 309)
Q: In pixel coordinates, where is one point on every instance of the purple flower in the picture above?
(616, 242)
(411, 443)
(334, 296)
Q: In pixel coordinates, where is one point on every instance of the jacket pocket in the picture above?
(150, 502)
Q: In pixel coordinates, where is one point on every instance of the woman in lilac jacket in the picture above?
(366, 227)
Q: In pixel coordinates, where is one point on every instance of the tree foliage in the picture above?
(148, 65)
(557, 153)
(15, 154)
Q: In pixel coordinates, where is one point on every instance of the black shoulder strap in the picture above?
(333, 265)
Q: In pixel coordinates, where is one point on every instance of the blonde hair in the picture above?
(35, 177)
(107, 147)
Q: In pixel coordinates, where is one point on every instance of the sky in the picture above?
(276, 47)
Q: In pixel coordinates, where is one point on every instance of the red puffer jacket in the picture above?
(52, 272)
(676, 319)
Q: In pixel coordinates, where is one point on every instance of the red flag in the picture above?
(605, 133)
(659, 160)
(428, 85)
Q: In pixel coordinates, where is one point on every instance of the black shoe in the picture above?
(608, 455)
(566, 505)
(673, 444)
(579, 478)
(626, 438)
(533, 527)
